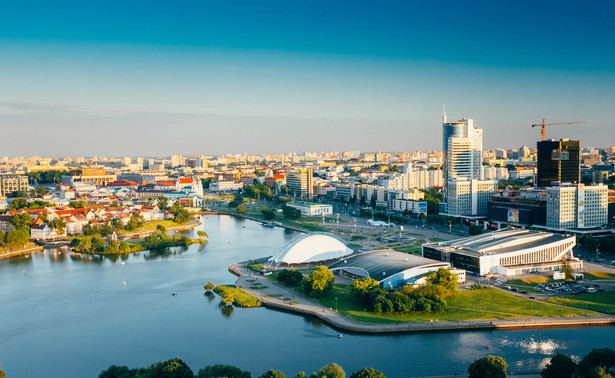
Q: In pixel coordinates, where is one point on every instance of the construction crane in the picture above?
(543, 124)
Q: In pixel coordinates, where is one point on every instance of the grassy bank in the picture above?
(601, 302)
(488, 303)
(240, 297)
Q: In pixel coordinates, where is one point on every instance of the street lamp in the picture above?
(335, 303)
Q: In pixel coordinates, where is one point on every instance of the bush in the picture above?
(490, 366)
(290, 277)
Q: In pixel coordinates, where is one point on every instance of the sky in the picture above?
(152, 78)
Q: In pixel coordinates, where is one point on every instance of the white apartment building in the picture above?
(577, 206)
(469, 197)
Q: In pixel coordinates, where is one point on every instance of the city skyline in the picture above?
(151, 79)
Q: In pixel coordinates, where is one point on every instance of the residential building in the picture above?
(577, 206)
(301, 182)
(469, 197)
(10, 182)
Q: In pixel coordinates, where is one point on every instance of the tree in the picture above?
(291, 212)
(367, 373)
(319, 282)
(300, 375)
(560, 366)
(78, 204)
(43, 216)
(202, 234)
(268, 214)
(162, 202)
(490, 366)
(241, 209)
(174, 368)
(331, 370)
(117, 224)
(228, 371)
(229, 298)
(475, 230)
(2, 374)
(445, 278)
(120, 372)
(362, 287)
(290, 277)
(17, 237)
(41, 190)
(21, 220)
(567, 270)
(18, 203)
(597, 358)
(59, 225)
(210, 286)
(182, 216)
(272, 374)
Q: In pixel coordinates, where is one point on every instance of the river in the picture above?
(72, 316)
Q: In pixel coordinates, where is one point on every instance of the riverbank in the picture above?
(21, 251)
(287, 300)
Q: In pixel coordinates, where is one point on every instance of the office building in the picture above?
(577, 206)
(558, 162)
(301, 183)
(469, 197)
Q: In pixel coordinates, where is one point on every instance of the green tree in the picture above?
(18, 203)
(268, 214)
(362, 288)
(210, 286)
(331, 370)
(17, 194)
(319, 282)
(59, 225)
(290, 277)
(202, 234)
(98, 243)
(41, 190)
(560, 366)
(17, 237)
(2, 236)
(446, 279)
(598, 358)
(182, 216)
(490, 366)
(2, 373)
(567, 270)
(21, 220)
(272, 374)
(174, 368)
(162, 202)
(291, 212)
(228, 371)
(475, 230)
(120, 372)
(367, 373)
(301, 375)
(117, 224)
(241, 209)
(78, 204)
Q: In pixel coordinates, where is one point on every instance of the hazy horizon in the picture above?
(153, 78)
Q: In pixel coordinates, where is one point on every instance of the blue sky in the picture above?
(158, 77)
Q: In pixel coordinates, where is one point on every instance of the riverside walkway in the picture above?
(307, 306)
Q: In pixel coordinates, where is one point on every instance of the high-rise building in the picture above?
(558, 162)
(469, 197)
(301, 183)
(577, 206)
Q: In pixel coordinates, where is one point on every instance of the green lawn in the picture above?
(598, 276)
(602, 302)
(488, 303)
(242, 298)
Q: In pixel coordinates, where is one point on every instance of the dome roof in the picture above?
(311, 247)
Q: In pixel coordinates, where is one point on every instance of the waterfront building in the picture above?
(508, 252)
(311, 209)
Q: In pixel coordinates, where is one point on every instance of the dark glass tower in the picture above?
(558, 162)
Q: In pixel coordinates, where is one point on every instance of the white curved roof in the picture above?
(311, 247)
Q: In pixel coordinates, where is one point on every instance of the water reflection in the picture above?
(163, 253)
(210, 296)
(20, 260)
(226, 309)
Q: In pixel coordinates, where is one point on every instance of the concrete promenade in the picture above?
(307, 306)
(21, 251)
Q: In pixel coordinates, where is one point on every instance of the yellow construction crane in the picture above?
(543, 124)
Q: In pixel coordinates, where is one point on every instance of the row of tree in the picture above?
(317, 284)
(596, 364)
(177, 368)
(425, 298)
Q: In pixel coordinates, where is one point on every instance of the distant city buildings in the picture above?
(12, 182)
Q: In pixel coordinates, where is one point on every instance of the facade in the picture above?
(311, 209)
(225, 186)
(301, 183)
(390, 268)
(577, 206)
(469, 197)
(309, 249)
(558, 162)
(98, 177)
(10, 182)
(508, 252)
(518, 207)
